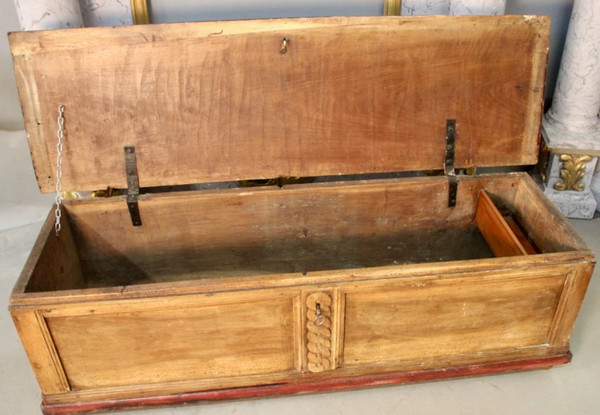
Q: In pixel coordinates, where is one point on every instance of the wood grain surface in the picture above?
(243, 334)
(495, 229)
(205, 102)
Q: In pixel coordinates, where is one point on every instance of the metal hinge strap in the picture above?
(133, 185)
(449, 162)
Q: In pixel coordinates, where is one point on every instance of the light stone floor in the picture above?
(571, 389)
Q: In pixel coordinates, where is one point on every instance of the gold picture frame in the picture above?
(139, 12)
(140, 15)
(392, 7)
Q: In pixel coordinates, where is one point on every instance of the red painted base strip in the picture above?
(308, 387)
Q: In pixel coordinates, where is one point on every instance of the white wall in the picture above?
(21, 202)
(196, 10)
(10, 110)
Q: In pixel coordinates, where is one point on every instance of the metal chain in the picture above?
(59, 149)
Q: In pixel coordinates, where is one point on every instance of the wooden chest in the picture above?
(368, 272)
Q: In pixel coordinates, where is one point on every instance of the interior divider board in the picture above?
(496, 231)
(523, 239)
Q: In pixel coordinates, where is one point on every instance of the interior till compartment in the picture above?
(294, 229)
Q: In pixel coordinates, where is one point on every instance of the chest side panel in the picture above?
(182, 339)
(432, 319)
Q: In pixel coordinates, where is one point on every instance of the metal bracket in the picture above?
(133, 185)
(449, 162)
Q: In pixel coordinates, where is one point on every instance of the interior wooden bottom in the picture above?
(292, 255)
(296, 229)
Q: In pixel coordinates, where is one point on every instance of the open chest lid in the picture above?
(220, 101)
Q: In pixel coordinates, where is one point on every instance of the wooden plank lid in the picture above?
(219, 101)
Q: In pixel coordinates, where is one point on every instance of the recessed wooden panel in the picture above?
(428, 319)
(41, 351)
(238, 337)
(219, 101)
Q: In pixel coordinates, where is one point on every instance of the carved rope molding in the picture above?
(318, 336)
(573, 170)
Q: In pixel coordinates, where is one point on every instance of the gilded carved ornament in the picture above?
(572, 171)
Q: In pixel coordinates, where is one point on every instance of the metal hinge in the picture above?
(133, 185)
(449, 162)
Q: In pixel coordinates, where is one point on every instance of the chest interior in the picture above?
(297, 230)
